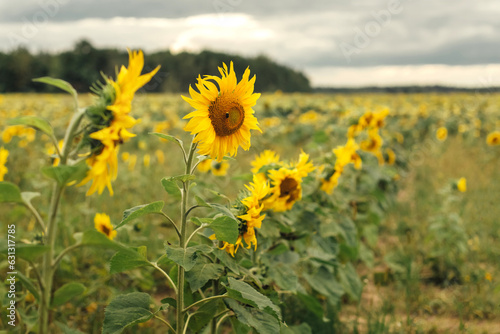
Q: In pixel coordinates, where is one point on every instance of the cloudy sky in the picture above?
(334, 42)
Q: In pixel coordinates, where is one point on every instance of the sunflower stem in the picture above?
(51, 228)
(182, 239)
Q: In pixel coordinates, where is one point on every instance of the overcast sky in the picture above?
(335, 43)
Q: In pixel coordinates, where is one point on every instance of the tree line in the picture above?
(82, 66)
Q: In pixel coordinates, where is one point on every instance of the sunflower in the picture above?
(223, 117)
(4, 154)
(205, 165)
(373, 143)
(267, 157)
(287, 184)
(493, 138)
(113, 110)
(252, 217)
(441, 134)
(391, 156)
(331, 180)
(219, 168)
(462, 184)
(102, 223)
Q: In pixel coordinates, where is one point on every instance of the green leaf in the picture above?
(139, 211)
(201, 221)
(186, 258)
(245, 293)
(30, 252)
(226, 229)
(223, 209)
(201, 202)
(171, 187)
(61, 84)
(227, 260)
(326, 284)
(66, 293)
(128, 259)
(312, 304)
(126, 310)
(204, 315)
(350, 281)
(184, 178)
(201, 273)
(9, 192)
(67, 330)
(284, 276)
(35, 122)
(63, 174)
(169, 138)
(169, 301)
(303, 328)
(262, 322)
(27, 196)
(96, 239)
(28, 284)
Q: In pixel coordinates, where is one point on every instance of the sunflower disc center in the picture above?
(289, 187)
(226, 115)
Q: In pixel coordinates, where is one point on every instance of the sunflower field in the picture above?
(223, 210)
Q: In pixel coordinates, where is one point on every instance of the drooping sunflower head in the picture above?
(102, 223)
(223, 117)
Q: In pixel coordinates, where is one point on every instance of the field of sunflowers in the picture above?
(346, 213)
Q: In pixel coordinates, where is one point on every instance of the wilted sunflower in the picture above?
(102, 223)
(223, 117)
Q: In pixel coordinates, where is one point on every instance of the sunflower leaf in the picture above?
(139, 211)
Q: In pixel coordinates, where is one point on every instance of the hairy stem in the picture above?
(182, 240)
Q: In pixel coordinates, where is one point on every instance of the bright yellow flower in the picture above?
(146, 160)
(103, 165)
(462, 184)
(271, 122)
(441, 134)
(331, 181)
(3, 161)
(252, 218)
(267, 157)
(160, 156)
(219, 168)
(347, 154)
(205, 165)
(310, 117)
(373, 143)
(102, 223)
(493, 138)
(488, 277)
(286, 189)
(223, 117)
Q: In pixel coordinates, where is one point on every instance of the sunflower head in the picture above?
(441, 134)
(102, 223)
(223, 117)
(493, 138)
(462, 184)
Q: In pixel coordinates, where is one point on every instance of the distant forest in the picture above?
(82, 67)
